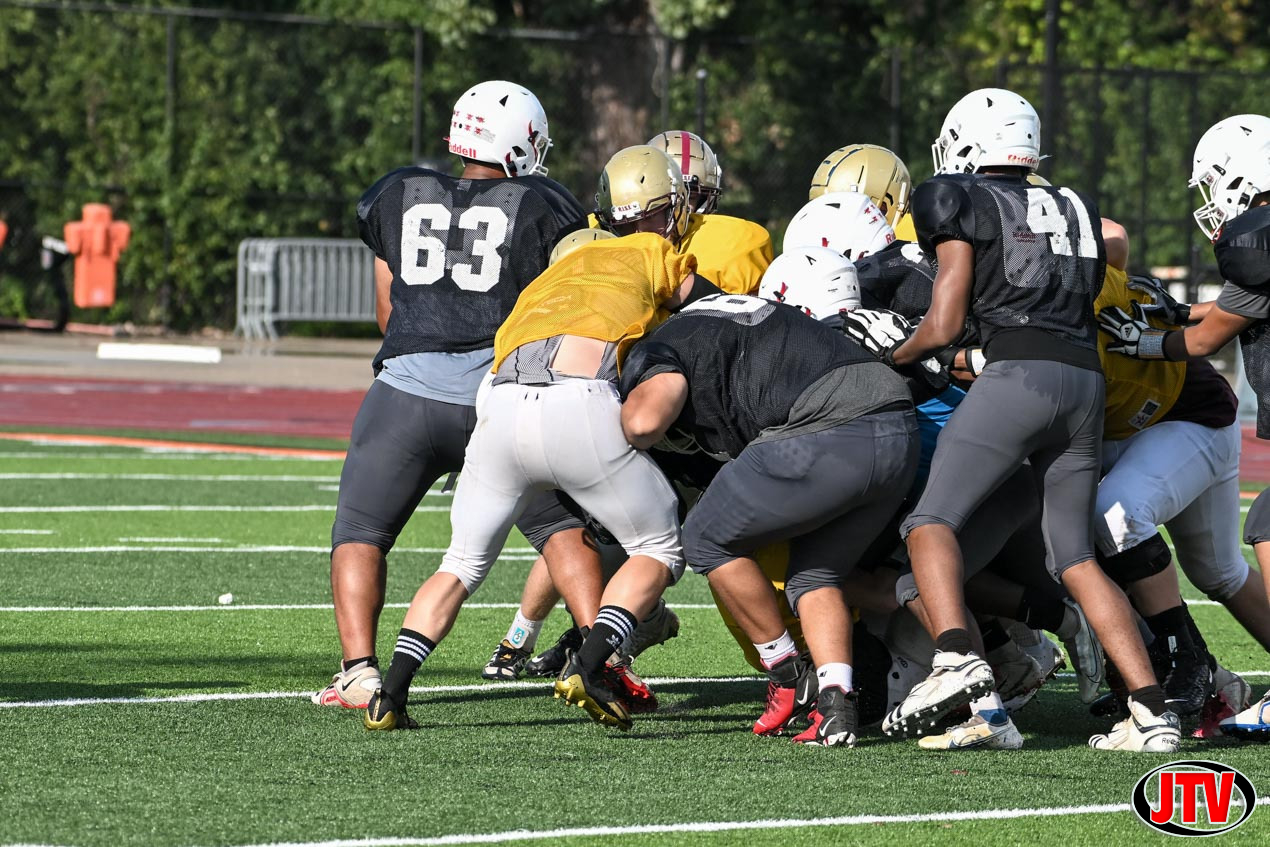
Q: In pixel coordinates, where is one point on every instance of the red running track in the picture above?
(176, 407)
(190, 407)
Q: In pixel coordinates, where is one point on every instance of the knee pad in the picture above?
(665, 550)
(1146, 559)
(467, 572)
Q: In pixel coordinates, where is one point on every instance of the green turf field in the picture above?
(191, 726)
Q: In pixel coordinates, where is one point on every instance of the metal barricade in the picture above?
(302, 279)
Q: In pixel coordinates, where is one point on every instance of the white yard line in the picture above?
(262, 607)
(26, 532)
(260, 548)
(541, 684)
(170, 540)
(162, 507)
(173, 453)
(173, 477)
(596, 832)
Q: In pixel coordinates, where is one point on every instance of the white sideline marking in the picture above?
(26, 532)
(174, 477)
(713, 826)
(167, 453)
(160, 507)
(288, 695)
(262, 607)
(159, 352)
(171, 540)
(261, 548)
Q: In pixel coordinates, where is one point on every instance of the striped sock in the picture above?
(412, 649)
(613, 625)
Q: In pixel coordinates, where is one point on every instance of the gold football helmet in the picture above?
(697, 163)
(869, 169)
(641, 190)
(576, 239)
(1037, 179)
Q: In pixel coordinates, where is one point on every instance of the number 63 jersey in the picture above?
(460, 251)
(1039, 254)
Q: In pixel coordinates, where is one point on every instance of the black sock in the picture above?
(370, 661)
(613, 625)
(1151, 696)
(954, 641)
(1196, 636)
(994, 635)
(1039, 610)
(1170, 622)
(412, 649)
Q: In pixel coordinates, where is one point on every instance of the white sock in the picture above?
(772, 653)
(834, 673)
(523, 633)
(990, 708)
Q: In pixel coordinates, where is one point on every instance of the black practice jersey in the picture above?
(1243, 257)
(900, 277)
(460, 251)
(1039, 254)
(746, 361)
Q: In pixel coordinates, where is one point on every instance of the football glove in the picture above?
(877, 330)
(1162, 304)
(1134, 336)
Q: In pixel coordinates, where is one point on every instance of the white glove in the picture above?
(877, 330)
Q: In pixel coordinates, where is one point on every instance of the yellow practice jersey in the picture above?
(608, 290)
(904, 230)
(731, 252)
(1139, 393)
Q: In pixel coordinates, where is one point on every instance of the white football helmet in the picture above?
(990, 126)
(501, 123)
(818, 281)
(1231, 166)
(845, 221)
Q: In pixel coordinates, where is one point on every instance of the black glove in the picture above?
(1162, 304)
(877, 330)
(1134, 336)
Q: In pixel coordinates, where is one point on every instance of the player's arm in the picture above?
(950, 300)
(652, 407)
(383, 293)
(1116, 239)
(1217, 329)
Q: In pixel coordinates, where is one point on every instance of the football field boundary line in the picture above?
(517, 685)
(513, 554)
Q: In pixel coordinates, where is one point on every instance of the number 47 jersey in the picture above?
(460, 252)
(1039, 254)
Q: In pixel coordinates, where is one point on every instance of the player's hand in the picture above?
(877, 330)
(1162, 303)
(1134, 336)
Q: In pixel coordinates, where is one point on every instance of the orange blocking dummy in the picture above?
(96, 243)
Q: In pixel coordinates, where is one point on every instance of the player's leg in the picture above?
(400, 445)
(1253, 723)
(491, 493)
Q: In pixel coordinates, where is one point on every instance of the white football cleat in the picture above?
(1018, 676)
(1085, 653)
(1142, 732)
(975, 733)
(351, 689)
(1252, 724)
(1039, 646)
(955, 679)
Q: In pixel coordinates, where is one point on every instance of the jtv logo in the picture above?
(1194, 798)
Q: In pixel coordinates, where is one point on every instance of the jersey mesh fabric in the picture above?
(1243, 257)
(1021, 280)
(1139, 392)
(900, 277)
(731, 252)
(444, 238)
(746, 361)
(608, 290)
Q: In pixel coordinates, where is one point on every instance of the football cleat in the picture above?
(791, 686)
(1142, 732)
(508, 662)
(1252, 724)
(1085, 653)
(660, 626)
(1186, 677)
(1232, 696)
(596, 696)
(955, 679)
(383, 714)
(351, 689)
(1018, 676)
(975, 734)
(833, 721)
(632, 690)
(551, 661)
(1039, 646)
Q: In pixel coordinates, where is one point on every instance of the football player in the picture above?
(556, 357)
(1231, 168)
(822, 447)
(452, 254)
(1028, 263)
(873, 171)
